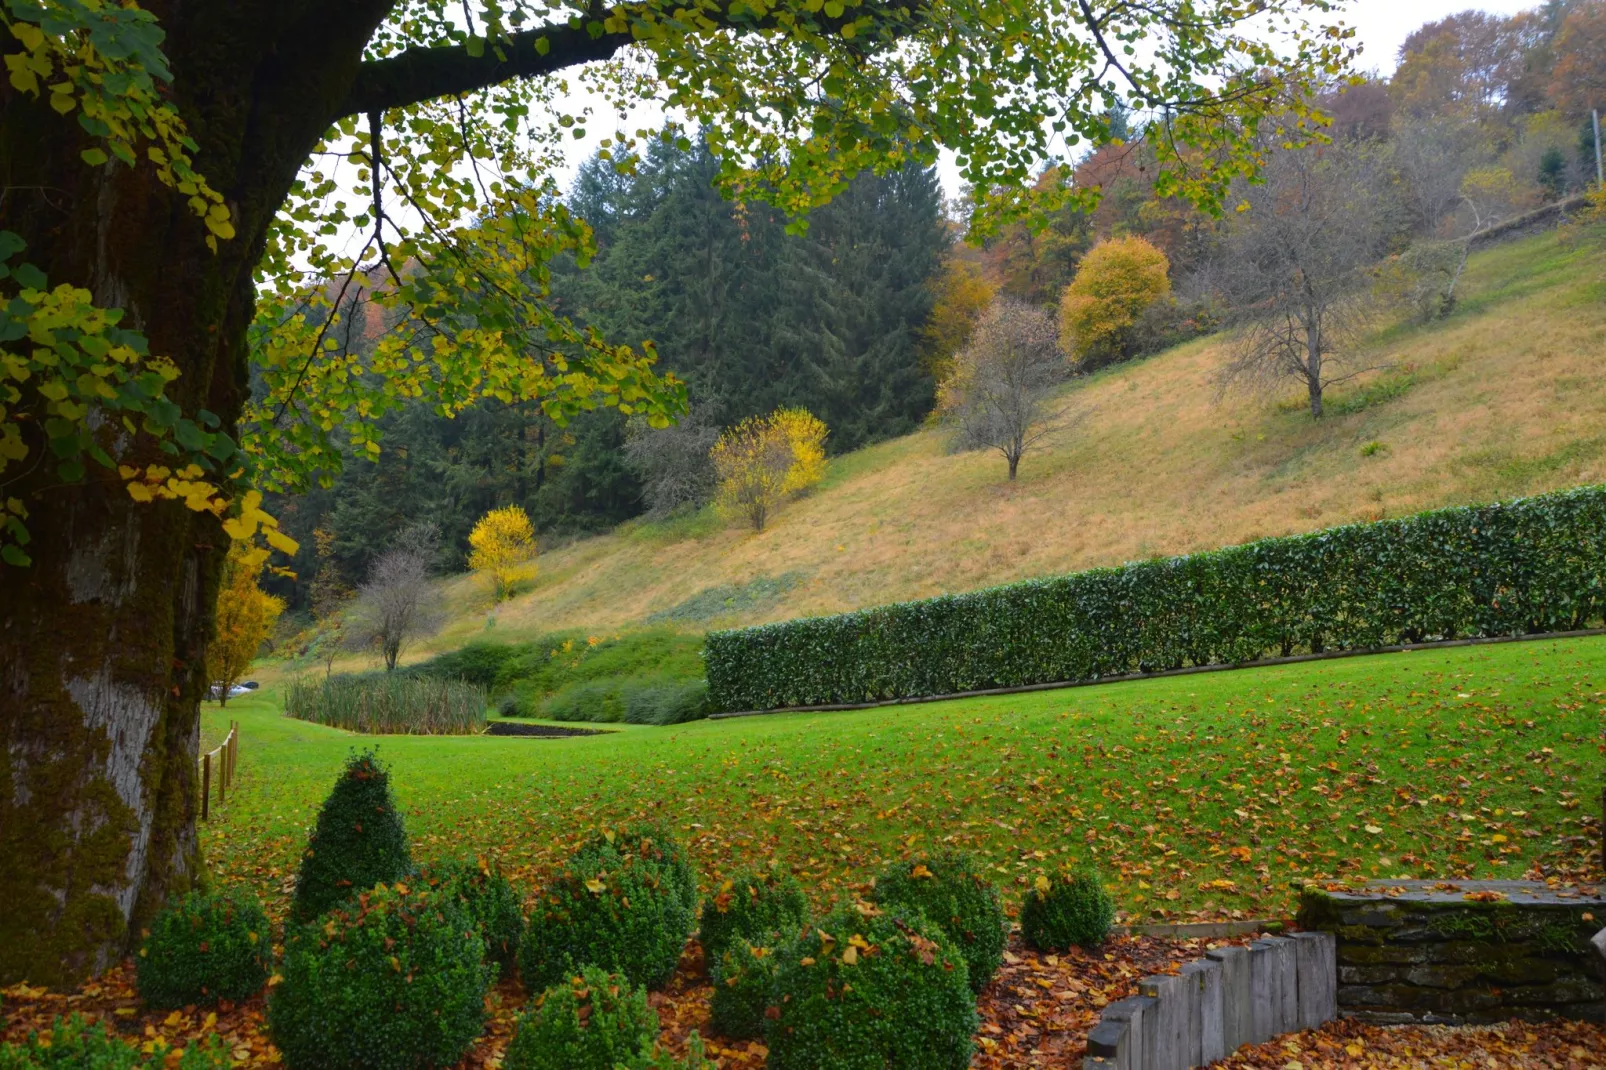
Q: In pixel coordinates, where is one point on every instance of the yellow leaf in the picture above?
(595, 886)
(850, 956)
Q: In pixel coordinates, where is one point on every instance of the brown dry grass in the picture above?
(1506, 398)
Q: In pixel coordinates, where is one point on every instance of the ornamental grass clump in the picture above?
(394, 980)
(358, 841)
(488, 900)
(390, 704)
(594, 1020)
(1071, 909)
(624, 912)
(203, 947)
(867, 990)
(949, 888)
(743, 976)
(749, 904)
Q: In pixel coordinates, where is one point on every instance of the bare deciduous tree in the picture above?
(1296, 268)
(997, 395)
(394, 606)
(673, 463)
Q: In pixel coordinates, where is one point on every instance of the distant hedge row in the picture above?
(1521, 567)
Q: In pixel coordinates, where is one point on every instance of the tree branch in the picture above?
(420, 74)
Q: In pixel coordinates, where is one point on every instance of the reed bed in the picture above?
(389, 704)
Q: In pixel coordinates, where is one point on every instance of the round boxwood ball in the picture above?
(203, 947)
(949, 888)
(869, 990)
(651, 841)
(743, 977)
(1065, 910)
(751, 903)
(395, 979)
(489, 901)
(595, 1020)
(618, 912)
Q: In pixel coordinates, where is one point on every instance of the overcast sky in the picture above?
(1381, 27)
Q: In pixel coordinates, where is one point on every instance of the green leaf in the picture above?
(94, 157)
(13, 555)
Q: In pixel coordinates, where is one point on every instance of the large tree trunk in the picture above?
(102, 640)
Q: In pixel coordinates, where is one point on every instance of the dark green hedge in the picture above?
(1514, 568)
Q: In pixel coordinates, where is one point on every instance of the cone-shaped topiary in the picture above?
(949, 889)
(1069, 909)
(750, 904)
(743, 977)
(618, 912)
(595, 1020)
(358, 842)
(867, 990)
(203, 947)
(655, 842)
(395, 979)
(489, 901)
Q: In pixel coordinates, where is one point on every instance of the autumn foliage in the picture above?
(245, 618)
(764, 460)
(502, 549)
(1115, 284)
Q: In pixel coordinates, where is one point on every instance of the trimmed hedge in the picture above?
(751, 903)
(1071, 910)
(203, 947)
(395, 979)
(74, 1044)
(870, 990)
(955, 894)
(594, 1020)
(358, 841)
(1522, 567)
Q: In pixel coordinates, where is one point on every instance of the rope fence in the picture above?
(225, 757)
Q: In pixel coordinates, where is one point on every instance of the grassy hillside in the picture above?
(1505, 398)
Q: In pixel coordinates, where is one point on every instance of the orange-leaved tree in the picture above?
(765, 459)
(245, 618)
(1116, 283)
(502, 549)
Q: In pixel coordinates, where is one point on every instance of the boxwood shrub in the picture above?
(867, 990)
(749, 904)
(396, 978)
(488, 900)
(358, 841)
(621, 911)
(203, 947)
(1514, 568)
(1065, 910)
(651, 841)
(743, 975)
(74, 1044)
(949, 889)
(594, 1020)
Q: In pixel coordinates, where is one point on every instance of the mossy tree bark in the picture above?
(102, 639)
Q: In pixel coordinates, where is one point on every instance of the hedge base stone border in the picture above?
(1215, 1005)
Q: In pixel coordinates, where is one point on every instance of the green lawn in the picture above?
(1198, 796)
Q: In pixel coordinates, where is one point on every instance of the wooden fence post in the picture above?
(206, 784)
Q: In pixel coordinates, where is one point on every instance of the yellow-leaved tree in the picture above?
(1115, 284)
(502, 549)
(245, 618)
(764, 460)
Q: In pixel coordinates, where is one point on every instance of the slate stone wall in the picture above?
(1212, 1007)
(1462, 952)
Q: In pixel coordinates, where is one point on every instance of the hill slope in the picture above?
(1507, 397)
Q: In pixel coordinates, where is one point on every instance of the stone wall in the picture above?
(1463, 951)
(1232, 997)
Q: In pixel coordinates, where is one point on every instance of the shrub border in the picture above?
(1514, 569)
(1262, 663)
